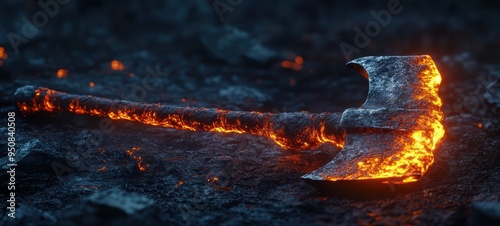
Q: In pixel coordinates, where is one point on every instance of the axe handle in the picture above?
(294, 131)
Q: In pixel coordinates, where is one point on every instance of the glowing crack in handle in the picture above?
(294, 131)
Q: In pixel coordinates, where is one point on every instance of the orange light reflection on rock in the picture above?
(132, 152)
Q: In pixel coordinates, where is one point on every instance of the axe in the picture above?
(390, 138)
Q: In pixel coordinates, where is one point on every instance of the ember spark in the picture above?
(132, 152)
(3, 55)
(296, 64)
(117, 65)
(62, 73)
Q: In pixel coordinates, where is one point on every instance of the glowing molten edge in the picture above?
(390, 156)
(416, 150)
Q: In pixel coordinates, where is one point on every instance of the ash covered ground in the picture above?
(238, 55)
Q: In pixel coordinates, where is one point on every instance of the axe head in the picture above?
(392, 136)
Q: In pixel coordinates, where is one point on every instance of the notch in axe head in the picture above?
(390, 137)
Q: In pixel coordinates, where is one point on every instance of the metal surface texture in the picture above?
(391, 137)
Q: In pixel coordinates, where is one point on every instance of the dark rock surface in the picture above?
(113, 207)
(485, 213)
(33, 153)
(30, 216)
(233, 45)
(232, 179)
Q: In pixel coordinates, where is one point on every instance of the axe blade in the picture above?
(391, 137)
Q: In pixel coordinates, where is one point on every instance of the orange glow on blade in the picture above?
(416, 147)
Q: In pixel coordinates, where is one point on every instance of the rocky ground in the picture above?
(72, 171)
